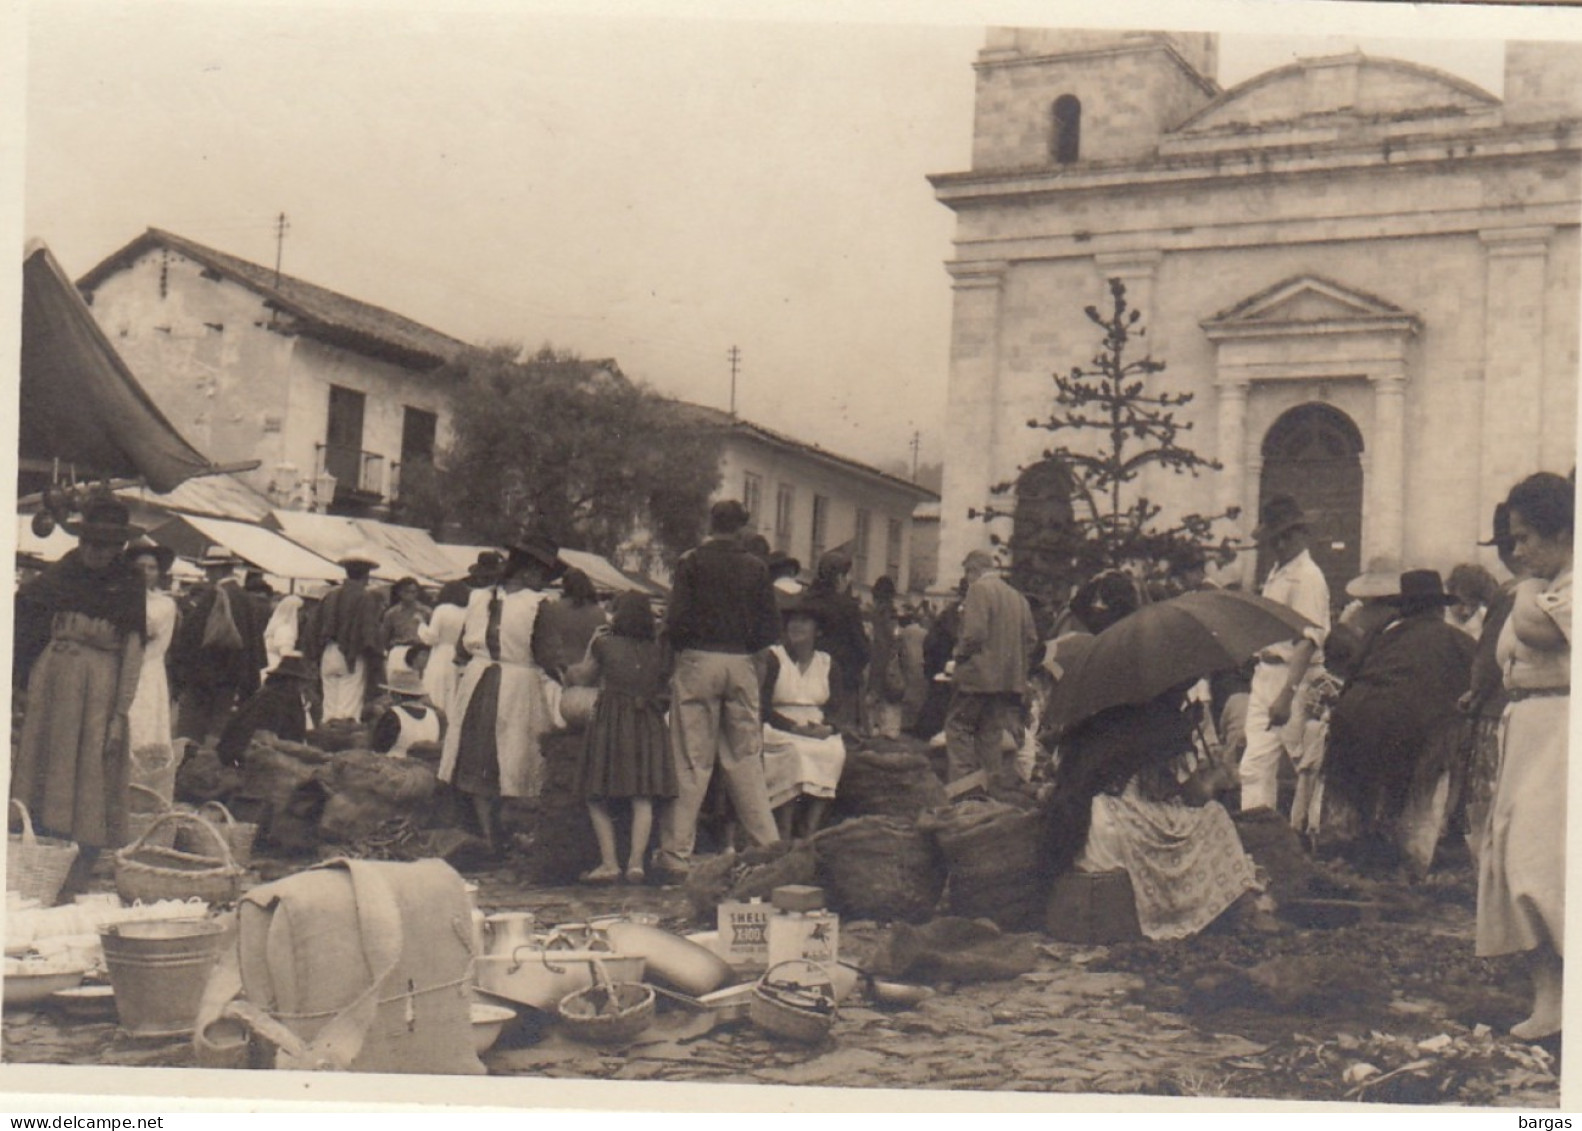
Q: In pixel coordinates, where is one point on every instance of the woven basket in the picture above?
(588, 1016)
(994, 860)
(794, 1000)
(239, 835)
(36, 866)
(890, 783)
(140, 820)
(880, 868)
(144, 871)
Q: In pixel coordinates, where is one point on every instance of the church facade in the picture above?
(1365, 270)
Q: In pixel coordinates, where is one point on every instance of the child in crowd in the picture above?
(626, 755)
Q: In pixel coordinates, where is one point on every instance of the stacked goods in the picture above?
(558, 839)
(992, 854)
(367, 791)
(879, 868)
(337, 735)
(888, 778)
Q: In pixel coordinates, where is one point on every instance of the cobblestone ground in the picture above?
(1248, 1014)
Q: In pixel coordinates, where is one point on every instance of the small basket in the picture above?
(140, 821)
(587, 1015)
(239, 835)
(794, 1000)
(145, 871)
(37, 866)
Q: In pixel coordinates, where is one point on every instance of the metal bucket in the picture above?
(159, 968)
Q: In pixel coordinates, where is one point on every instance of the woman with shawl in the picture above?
(79, 651)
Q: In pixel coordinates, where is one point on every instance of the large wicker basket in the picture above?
(880, 868)
(239, 835)
(144, 807)
(37, 866)
(992, 854)
(147, 872)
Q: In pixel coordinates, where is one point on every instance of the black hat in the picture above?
(1422, 587)
(487, 567)
(1276, 516)
(539, 548)
(780, 560)
(105, 521)
(164, 556)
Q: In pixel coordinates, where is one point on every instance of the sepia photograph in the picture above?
(874, 559)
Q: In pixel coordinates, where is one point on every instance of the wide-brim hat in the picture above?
(294, 665)
(1382, 579)
(164, 556)
(105, 522)
(218, 556)
(359, 556)
(1422, 587)
(539, 548)
(1277, 516)
(488, 565)
(404, 682)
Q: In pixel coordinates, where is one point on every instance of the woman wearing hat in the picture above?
(279, 707)
(492, 745)
(1521, 876)
(148, 722)
(79, 652)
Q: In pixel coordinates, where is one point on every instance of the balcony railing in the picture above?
(354, 469)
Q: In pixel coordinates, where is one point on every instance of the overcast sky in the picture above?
(649, 189)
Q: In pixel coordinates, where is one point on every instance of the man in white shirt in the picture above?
(1275, 726)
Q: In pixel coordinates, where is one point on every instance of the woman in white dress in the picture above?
(803, 754)
(442, 634)
(148, 722)
(492, 746)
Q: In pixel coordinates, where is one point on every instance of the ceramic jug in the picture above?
(504, 932)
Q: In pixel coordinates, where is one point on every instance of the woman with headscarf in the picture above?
(1521, 876)
(282, 630)
(842, 634)
(492, 747)
(80, 631)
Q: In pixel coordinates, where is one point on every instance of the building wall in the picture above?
(238, 390)
(1478, 240)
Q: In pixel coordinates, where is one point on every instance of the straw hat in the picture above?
(360, 556)
(1381, 580)
(405, 682)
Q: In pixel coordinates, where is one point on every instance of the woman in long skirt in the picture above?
(79, 645)
(1521, 877)
(149, 723)
(492, 749)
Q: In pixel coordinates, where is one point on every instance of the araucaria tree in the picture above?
(1131, 423)
(573, 448)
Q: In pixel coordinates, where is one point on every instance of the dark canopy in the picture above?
(79, 402)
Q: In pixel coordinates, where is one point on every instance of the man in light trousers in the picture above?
(997, 644)
(722, 612)
(1276, 729)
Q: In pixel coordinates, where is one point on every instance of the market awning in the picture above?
(191, 535)
(600, 570)
(413, 547)
(399, 549)
(79, 403)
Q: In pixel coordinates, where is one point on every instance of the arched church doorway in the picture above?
(1314, 453)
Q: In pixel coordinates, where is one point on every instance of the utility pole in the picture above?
(281, 227)
(734, 356)
(917, 443)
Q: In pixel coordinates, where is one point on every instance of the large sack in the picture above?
(881, 868)
(753, 874)
(994, 860)
(354, 965)
(888, 778)
(368, 791)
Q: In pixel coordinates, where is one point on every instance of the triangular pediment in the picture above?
(1307, 298)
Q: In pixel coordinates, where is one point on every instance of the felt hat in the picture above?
(1382, 579)
(405, 682)
(539, 548)
(359, 556)
(487, 567)
(1422, 587)
(294, 665)
(1278, 515)
(164, 556)
(105, 521)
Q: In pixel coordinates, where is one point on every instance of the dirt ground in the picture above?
(1245, 1012)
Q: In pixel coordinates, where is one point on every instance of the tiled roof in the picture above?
(705, 415)
(316, 311)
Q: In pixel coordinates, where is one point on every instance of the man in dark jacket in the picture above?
(722, 611)
(212, 667)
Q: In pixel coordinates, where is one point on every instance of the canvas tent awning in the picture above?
(600, 570)
(191, 535)
(402, 551)
(56, 546)
(79, 403)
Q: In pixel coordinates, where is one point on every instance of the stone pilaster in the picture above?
(1384, 513)
(974, 406)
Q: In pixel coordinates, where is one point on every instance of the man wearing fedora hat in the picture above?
(218, 650)
(1275, 729)
(77, 650)
(346, 636)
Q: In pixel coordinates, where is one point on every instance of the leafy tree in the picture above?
(573, 448)
(1105, 523)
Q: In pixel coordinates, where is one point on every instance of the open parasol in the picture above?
(1163, 645)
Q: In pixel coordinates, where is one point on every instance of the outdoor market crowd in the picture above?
(1421, 709)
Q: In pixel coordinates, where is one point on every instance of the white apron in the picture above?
(343, 686)
(794, 764)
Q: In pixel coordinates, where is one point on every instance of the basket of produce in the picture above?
(36, 866)
(992, 855)
(879, 868)
(147, 872)
(794, 1000)
(239, 835)
(607, 1013)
